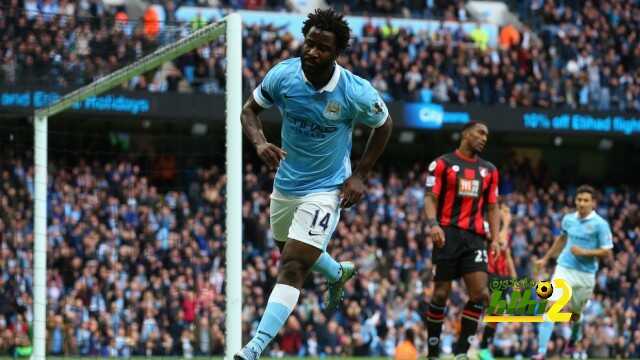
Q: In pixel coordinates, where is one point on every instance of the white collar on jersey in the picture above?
(591, 214)
(333, 82)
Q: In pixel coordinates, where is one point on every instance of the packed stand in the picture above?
(429, 9)
(137, 268)
(451, 67)
(579, 59)
(66, 44)
(595, 45)
(271, 5)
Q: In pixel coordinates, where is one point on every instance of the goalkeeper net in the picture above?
(126, 154)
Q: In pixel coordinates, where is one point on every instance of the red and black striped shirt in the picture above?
(464, 187)
(497, 260)
(497, 263)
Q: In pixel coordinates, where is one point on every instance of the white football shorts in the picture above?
(311, 219)
(582, 285)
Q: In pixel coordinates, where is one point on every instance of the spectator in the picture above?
(480, 37)
(137, 262)
(122, 292)
(403, 64)
(406, 350)
(509, 36)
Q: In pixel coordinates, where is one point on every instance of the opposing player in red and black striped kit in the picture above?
(462, 189)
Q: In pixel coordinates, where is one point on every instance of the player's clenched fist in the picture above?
(437, 235)
(270, 154)
(352, 191)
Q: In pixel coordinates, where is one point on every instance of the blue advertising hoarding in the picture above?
(104, 103)
(421, 116)
(118, 104)
(432, 116)
(582, 122)
(504, 118)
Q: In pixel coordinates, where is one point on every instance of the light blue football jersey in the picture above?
(317, 124)
(591, 232)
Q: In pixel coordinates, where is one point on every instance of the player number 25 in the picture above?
(481, 256)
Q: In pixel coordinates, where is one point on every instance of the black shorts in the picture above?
(463, 252)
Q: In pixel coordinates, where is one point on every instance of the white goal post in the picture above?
(232, 25)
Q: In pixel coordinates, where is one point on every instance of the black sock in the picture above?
(434, 319)
(487, 336)
(470, 317)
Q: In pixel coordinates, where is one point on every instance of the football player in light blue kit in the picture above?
(320, 103)
(586, 238)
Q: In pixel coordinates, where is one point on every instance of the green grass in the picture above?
(193, 358)
(208, 358)
(211, 358)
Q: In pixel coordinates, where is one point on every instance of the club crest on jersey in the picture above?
(483, 172)
(332, 110)
(469, 188)
(455, 168)
(432, 166)
(377, 107)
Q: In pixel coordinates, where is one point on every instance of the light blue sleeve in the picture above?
(605, 238)
(268, 91)
(370, 109)
(564, 225)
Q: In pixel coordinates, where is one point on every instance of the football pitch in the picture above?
(450, 357)
(193, 358)
(204, 358)
(221, 358)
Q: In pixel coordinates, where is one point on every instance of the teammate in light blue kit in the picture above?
(320, 103)
(586, 237)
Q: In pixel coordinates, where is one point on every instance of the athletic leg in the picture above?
(446, 269)
(300, 252)
(434, 317)
(477, 286)
(297, 260)
(283, 209)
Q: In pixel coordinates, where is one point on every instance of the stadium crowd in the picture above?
(138, 269)
(583, 56)
(429, 9)
(273, 5)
